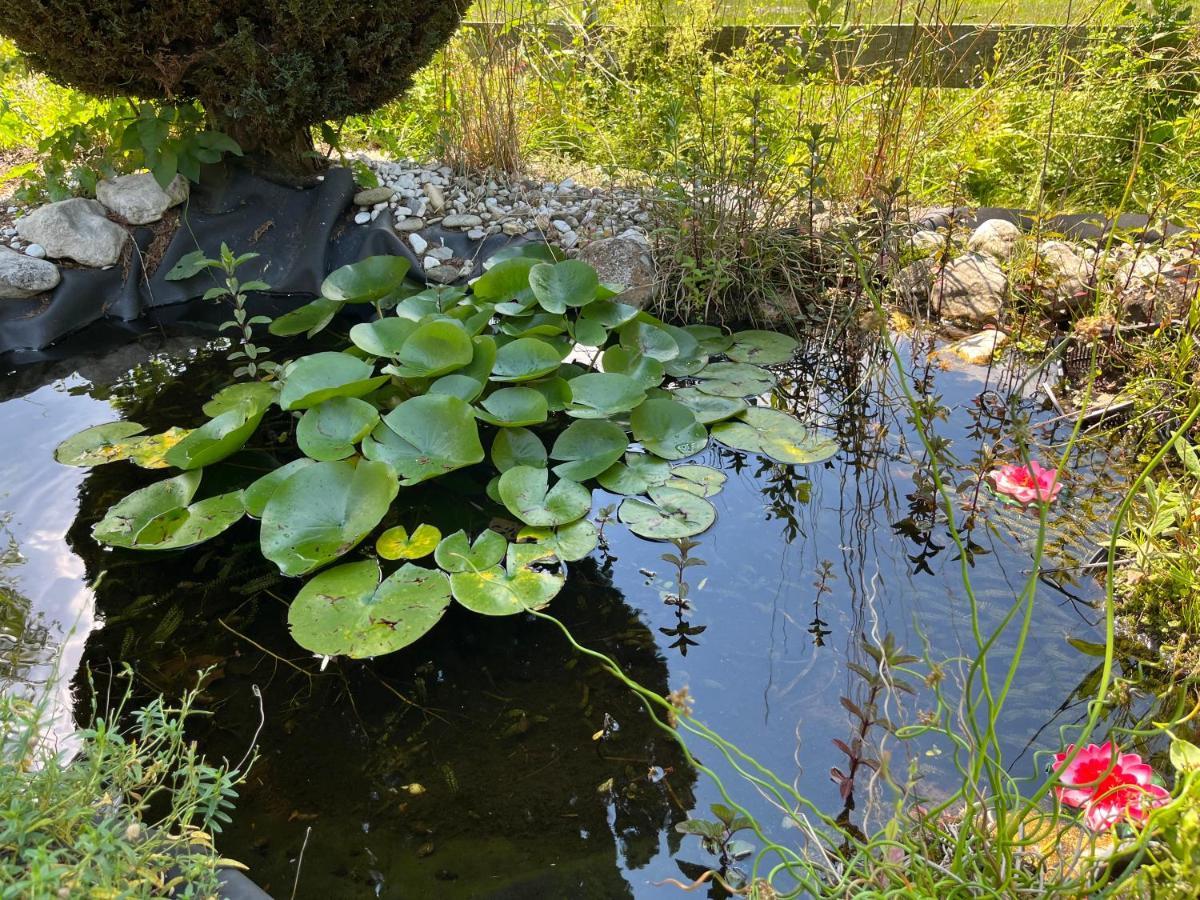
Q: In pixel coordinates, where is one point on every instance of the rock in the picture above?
(561, 226)
(466, 220)
(437, 200)
(927, 242)
(977, 349)
(24, 276)
(1155, 287)
(374, 195)
(995, 237)
(138, 199)
(445, 273)
(513, 228)
(430, 262)
(476, 234)
(625, 259)
(75, 229)
(443, 253)
(412, 223)
(418, 243)
(37, 251)
(970, 289)
(911, 284)
(362, 218)
(1064, 274)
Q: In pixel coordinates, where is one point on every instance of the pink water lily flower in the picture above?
(1111, 787)
(1025, 484)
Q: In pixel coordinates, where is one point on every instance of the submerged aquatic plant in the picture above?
(1026, 484)
(1111, 787)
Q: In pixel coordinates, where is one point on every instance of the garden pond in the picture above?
(489, 759)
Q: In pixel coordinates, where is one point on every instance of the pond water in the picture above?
(465, 765)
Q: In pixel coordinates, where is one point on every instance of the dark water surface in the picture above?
(465, 765)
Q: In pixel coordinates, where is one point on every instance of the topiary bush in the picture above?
(265, 71)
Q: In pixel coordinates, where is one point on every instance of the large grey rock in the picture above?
(912, 283)
(75, 229)
(24, 276)
(995, 237)
(371, 196)
(1156, 286)
(970, 289)
(625, 259)
(138, 199)
(1064, 274)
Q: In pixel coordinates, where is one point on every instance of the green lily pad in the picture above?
(514, 407)
(149, 451)
(690, 359)
(703, 481)
(708, 408)
(425, 437)
(588, 447)
(507, 280)
(567, 283)
(464, 387)
(97, 445)
(569, 542)
(541, 324)
(518, 447)
(646, 371)
(526, 494)
(397, 543)
(365, 281)
(433, 349)
(217, 438)
(602, 395)
(455, 553)
(383, 337)
(668, 429)
(762, 348)
(320, 376)
(669, 514)
(556, 390)
(308, 319)
(589, 333)
(712, 340)
(729, 379)
(323, 511)
(255, 497)
(776, 435)
(649, 339)
(635, 475)
(331, 429)
(162, 516)
(538, 252)
(525, 359)
(609, 313)
(346, 611)
(515, 588)
(257, 393)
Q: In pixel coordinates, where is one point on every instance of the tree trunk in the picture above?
(287, 156)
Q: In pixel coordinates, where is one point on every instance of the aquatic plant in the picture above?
(538, 373)
(1111, 787)
(1026, 484)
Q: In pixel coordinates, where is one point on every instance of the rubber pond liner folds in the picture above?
(301, 234)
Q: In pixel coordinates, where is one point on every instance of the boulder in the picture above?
(970, 289)
(926, 242)
(995, 237)
(911, 284)
(138, 199)
(23, 276)
(1156, 286)
(625, 259)
(977, 349)
(1064, 274)
(75, 229)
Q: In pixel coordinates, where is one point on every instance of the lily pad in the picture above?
(708, 408)
(517, 587)
(217, 438)
(703, 481)
(609, 313)
(150, 451)
(730, 379)
(525, 359)
(556, 390)
(258, 393)
(331, 429)
(346, 611)
(507, 280)
(588, 447)
(323, 511)
(649, 339)
(162, 516)
(567, 283)
(668, 429)
(464, 387)
(365, 281)
(308, 319)
(526, 494)
(762, 348)
(646, 371)
(455, 553)
(433, 349)
(514, 407)
(774, 434)
(635, 475)
(690, 359)
(425, 437)
(568, 542)
(97, 445)
(383, 337)
(669, 514)
(255, 497)
(602, 395)
(589, 333)
(397, 543)
(518, 447)
(320, 376)
(712, 340)
(541, 324)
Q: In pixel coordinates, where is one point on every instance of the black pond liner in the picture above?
(302, 234)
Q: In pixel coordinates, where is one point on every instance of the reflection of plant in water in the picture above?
(818, 626)
(678, 595)
(717, 838)
(24, 639)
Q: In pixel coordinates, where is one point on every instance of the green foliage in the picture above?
(424, 387)
(131, 815)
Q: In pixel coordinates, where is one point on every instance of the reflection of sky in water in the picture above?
(770, 666)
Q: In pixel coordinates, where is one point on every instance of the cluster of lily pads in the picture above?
(537, 368)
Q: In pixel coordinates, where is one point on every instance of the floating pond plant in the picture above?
(442, 380)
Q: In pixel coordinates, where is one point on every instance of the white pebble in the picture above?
(419, 244)
(362, 218)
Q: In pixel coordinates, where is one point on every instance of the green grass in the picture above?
(965, 11)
